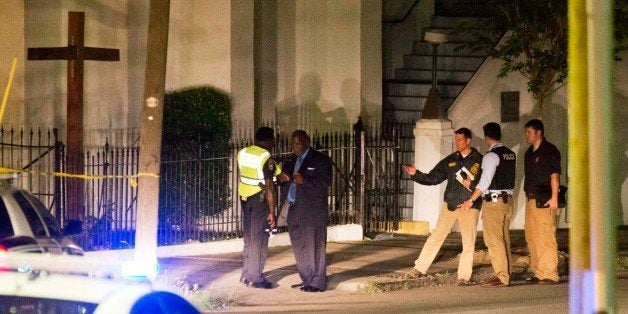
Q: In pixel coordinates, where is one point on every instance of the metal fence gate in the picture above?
(198, 201)
(35, 153)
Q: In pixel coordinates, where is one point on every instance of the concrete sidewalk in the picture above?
(369, 265)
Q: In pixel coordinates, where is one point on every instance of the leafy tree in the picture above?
(536, 41)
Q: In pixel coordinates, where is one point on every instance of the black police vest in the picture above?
(504, 178)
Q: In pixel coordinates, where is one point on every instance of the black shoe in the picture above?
(413, 274)
(245, 281)
(297, 286)
(261, 285)
(464, 283)
(533, 280)
(493, 283)
(310, 289)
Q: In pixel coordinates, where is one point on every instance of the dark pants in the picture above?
(309, 244)
(255, 239)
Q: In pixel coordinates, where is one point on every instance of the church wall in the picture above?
(211, 43)
(266, 60)
(320, 59)
(199, 44)
(484, 91)
(45, 81)
(137, 42)
(12, 38)
(242, 65)
(371, 62)
(105, 90)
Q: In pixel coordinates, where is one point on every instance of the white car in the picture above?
(47, 283)
(26, 225)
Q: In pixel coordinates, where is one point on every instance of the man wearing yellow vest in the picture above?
(257, 193)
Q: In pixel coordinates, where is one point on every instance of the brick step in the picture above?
(401, 116)
(465, 8)
(456, 35)
(426, 75)
(401, 88)
(451, 63)
(442, 21)
(420, 47)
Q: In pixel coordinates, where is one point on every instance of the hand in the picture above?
(552, 203)
(465, 205)
(283, 177)
(466, 182)
(298, 178)
(271, 220)
(409, 169)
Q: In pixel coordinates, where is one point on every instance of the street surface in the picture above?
(447, 299)
(353, 267)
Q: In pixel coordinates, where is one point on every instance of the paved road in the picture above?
(353, 266)
(446, 299)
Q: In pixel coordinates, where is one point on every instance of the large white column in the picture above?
(12, 37)
(433, 140)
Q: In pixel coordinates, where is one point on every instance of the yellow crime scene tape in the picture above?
(132, 178)
(5, 98)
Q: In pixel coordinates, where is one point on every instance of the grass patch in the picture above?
(204, 298)
(394, 284)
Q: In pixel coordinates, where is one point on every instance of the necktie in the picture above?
(292, 191)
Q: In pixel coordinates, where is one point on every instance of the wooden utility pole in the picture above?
(150, 142)
(75, 53)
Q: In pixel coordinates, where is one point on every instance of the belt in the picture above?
(493, 197)
(258, 195)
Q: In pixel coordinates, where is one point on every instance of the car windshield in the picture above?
(46, 216)
(6, 229)
(36, 213)
(18, 304)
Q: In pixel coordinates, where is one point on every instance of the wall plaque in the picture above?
(510, 106)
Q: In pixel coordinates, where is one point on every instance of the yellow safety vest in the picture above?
(251, 162)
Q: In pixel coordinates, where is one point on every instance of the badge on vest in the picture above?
(271, 164)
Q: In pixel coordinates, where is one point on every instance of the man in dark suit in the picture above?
(305, 179)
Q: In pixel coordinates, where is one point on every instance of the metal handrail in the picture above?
(405, 16)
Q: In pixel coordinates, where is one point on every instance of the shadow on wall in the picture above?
(303, 111)
(555, 122)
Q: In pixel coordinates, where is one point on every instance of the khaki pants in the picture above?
(540, 230)
(496, 217)
(282, 217)
(467, 221)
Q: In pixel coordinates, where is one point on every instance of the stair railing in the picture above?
(405, 16)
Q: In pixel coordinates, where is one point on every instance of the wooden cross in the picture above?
(75, 53)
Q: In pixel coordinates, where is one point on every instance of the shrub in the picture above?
(196, 130)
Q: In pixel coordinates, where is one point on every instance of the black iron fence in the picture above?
(198, 201)
(35, 153)
(110, 201)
